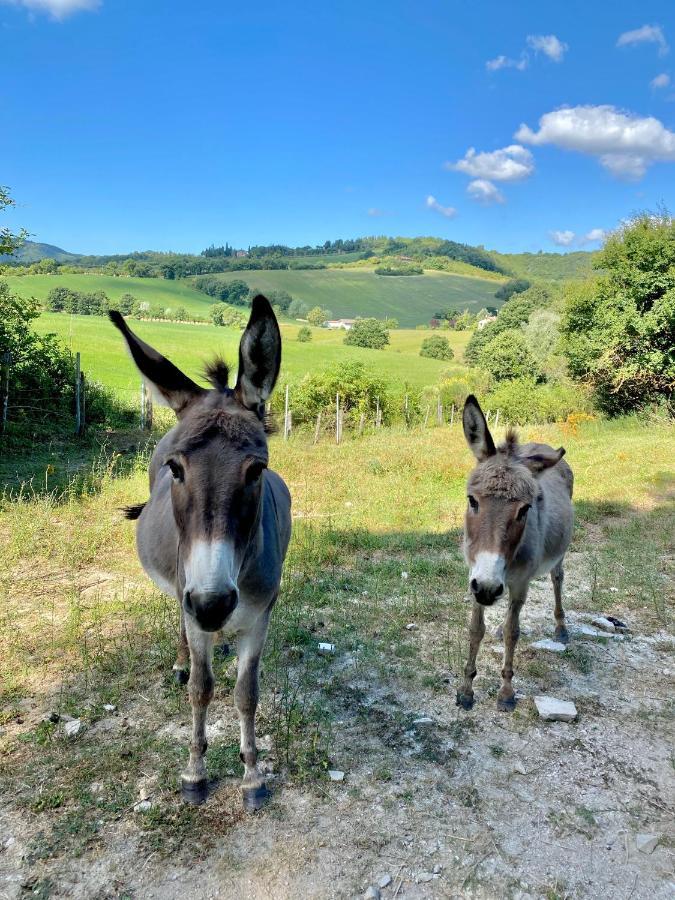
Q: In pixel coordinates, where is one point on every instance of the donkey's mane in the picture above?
(510, 445)
(217, 372)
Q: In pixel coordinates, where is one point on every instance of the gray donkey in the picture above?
(215, 530)
(518, 526)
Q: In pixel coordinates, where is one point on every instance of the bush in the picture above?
(522, 400)
(514, 286)
(317, 316)
(507, 356)
(511, 316)
(235, 292)
(455, 386)
(367, 333)
(358, 387)
(618, 331)
(403, 269)
(304, 334)
(436, 347)
(221, 314)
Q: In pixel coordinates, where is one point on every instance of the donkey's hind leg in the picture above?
(180, 667)
(476, 635)
(200, 689)
(557, 577)
(249, 649)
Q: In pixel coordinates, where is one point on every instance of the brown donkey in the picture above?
(215, 530)
(517, 526)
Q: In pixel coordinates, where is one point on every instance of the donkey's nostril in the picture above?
(188, 600)
(474, 586)
(499, 591)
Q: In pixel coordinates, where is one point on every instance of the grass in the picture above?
(81, 626)
(105, 359)
(346, 292)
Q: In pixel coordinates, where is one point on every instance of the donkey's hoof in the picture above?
(180, 676)
(222, 650)
(464, 700)
(195, 792)
(506, 704)
(562, 635)
(255, 798)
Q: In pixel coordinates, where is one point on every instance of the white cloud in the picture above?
(592, 236)
(549, 45)
(57, 9)
(661, 81)
(448, 211)
(625, 144)
(483, 191)
(562, 238)
(511, 163)
(648, 34)
(505, 62)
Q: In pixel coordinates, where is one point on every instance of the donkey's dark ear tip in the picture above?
(117, 318)
(261, 306)
(561, 452)
(471, 401)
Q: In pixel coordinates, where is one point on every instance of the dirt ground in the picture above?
(472, 804)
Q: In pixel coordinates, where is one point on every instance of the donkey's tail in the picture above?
(133, 512)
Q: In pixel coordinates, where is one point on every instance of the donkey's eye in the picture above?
(177, 470)
(522, 512)
(473, 503)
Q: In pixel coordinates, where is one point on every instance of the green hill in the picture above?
(31, 251)
(547, 266)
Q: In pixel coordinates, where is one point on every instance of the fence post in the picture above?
(439, 411)
(378, 418)
(317, 430)
(496, 419)
(337, 419)
(426, 417)
(6, 364)
(287, 424)
(452, 415)
(142, 423)
(78, 387)
(148, 409)
(83, 404)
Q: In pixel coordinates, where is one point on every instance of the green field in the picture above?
(189, 346)
(347, 293)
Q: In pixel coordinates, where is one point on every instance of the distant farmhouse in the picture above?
(334, 324)
(486, 321)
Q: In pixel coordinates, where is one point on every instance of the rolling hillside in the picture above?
(31, 251)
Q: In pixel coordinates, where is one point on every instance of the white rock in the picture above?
(603, 624)
(423, 720)
(646, 843)
(142, 806)
(548, 644)
(411, 627)
(73, 727)
(438, 870)
(109, 707)
(497, 649)
(551, 709)
(404, 576)
(373, 893)
(384, 880)
(585, 630)
(424, 877)
(326, 649)
(336, 775)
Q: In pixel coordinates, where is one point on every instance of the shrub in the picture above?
(304, 334)
(436, 347)
(367, 333)
(512, 315)
(317, 316)
(358, 387)
(507, 356)
(522, 400)
(221, 314)
(402, 269)
(514, 286)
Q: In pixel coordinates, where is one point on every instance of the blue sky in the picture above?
(170, 126)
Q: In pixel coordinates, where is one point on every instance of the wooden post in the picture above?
(487, 417)
(337, 419)
(83, 404)
(317, 430)
(452, 415)
(6, 365)
(378, 417)
(287, 428)
(148, 409)
(496, 419)
(439, 411)
(426, 417)
(78, 399)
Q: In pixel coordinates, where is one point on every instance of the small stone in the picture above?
(411, 627)
(73, 727)
(96, 788)
(646, 843)
(373, 893)
(326, 649)
(424, 877)
(142, 806)
(619, 626)
(336, 775)
(551, 709)
(109, 707)
(497, 649)
(384, 880)
(520, 769)
(404, 576)
(603, 624)
(423, 720)
(438, 870)
(585, 630)
(547, 644)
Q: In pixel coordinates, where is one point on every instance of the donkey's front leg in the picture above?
(506, 698)
(476, 635)
(180, 667)
(200, 689)
(249, 650)
(557, 577)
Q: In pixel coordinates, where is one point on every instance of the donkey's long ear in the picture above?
(476, 431)
(169, 384)
(541, 457)
(259, 357)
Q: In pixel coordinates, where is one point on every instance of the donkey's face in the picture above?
(216, 459)
(500, 493)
